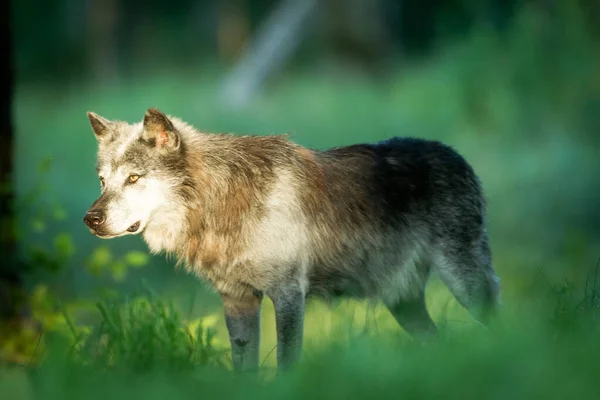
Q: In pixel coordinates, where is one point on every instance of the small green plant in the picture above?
(575, 308)
(144, 333)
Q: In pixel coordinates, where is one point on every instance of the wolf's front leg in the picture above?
(242, 317)
(289, 319)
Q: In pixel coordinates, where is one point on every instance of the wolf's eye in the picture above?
(102, 182)
(133, 178)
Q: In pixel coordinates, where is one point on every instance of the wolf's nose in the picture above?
(94, 218)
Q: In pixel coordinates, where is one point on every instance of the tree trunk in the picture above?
(11, 283)
(276, 40)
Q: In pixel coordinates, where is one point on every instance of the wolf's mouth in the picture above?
(133, 228)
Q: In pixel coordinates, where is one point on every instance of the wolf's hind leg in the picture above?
(470, 277)
(412, 315)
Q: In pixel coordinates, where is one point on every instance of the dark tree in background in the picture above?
(11, 283)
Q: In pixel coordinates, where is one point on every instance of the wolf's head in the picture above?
(139, 167)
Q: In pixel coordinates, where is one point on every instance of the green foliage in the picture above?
(136, 258)
(142, 348)
(23, 343)
(38, 215)
(144, 333)
(576, 310)
(63, 244)
(141, 333)
(101, 261)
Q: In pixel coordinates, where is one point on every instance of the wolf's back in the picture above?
(404, 178)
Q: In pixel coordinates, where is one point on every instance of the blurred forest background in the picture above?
(513, 85)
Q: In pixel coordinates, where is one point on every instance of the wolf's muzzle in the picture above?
(94, 218)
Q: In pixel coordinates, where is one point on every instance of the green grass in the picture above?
(524, 123)
(143, 348)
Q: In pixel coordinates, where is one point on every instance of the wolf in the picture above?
(260, 215)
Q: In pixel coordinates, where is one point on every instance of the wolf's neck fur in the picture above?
(166, 230)
(219, 196)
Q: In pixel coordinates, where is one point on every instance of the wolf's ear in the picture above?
(159, 130)
(101, 126)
